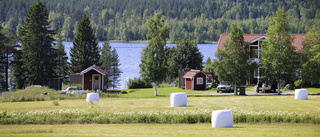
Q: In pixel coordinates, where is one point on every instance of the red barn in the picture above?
(195, 79)
(93, 78)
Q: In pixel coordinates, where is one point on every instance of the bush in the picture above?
(124, 92)
(298, 83)
(139, 83)
(55, 103)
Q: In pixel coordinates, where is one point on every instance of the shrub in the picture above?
(55, 103)
(298, 83)
(139, 83)
(124, 92)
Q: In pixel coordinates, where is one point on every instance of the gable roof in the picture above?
(297, 39)
(192, 73)
(247, 38)
(94, 67)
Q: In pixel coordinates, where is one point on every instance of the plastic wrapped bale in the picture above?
(301, 94)
(178, 99)
(92, 97)
(222, 119)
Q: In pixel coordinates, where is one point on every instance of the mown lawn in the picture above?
(249, 103)
(179, 130)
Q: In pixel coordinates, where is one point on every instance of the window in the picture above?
(199, 81)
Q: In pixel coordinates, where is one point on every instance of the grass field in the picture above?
(179, 130)
(143, 100)
(250, 103)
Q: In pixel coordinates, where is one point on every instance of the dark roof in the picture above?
(94, 67)
(192, 73)
(297, 39)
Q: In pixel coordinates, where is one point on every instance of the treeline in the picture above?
(199, 20)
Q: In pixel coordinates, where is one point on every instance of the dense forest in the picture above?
(198, 20)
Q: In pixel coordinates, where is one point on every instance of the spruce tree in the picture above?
(105, 61)
(185, 55)
(114, 71)
(3, 62)
(85, 51)
(62, 59)
(38, 54)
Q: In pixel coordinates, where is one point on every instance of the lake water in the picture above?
(129, 57)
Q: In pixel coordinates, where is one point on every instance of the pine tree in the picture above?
(85, 51)
(231, 63)
(105, 61)
(38, 54)
(62, 59)
(154, 56)
(277, 52)
(185, 55)
(3, 60)
(114, 71)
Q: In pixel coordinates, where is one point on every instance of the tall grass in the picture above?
(162, 117)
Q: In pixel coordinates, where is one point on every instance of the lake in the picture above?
(129, 57)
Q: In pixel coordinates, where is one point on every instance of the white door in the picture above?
(96, 81)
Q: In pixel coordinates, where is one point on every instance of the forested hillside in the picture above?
(199, 20)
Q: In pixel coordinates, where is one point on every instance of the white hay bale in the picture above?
(221, 119)
(301, 94)
(92, 97)
(178, 99)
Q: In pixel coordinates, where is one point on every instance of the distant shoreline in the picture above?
(145, 41)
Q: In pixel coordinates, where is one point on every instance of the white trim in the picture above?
(102, 82)
(93, 80)
(200, 79)
(263, 36)
(192, 80)
(85, 71)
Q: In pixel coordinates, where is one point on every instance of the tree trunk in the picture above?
(235, 89)
(279, 83)
(155, 89)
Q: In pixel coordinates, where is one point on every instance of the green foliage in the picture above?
(231, 63)
(38, 55)
(154, 56)
(85, 51)
(110, 62)
(277, 52)
(139, 83)
(55, 103)
(114, 71)
(62, 60)
(105, 61)
(311, 55)
(297, 83)
(205, 22)
(185, 55)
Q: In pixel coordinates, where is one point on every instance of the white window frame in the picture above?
(200, 81)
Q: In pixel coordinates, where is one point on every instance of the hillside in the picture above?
(200, 20)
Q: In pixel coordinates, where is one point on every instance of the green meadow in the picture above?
(139, 113)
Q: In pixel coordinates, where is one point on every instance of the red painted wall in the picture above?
(88, 79)
(188, 83)
(200, 87)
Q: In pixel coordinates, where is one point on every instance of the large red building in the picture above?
(255, 41)
(195, 79)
